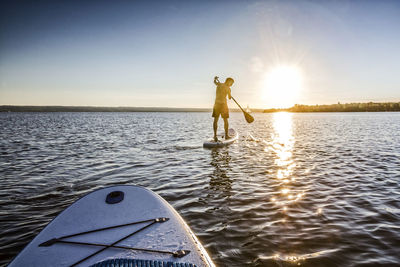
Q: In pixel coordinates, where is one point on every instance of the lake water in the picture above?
(297, 189)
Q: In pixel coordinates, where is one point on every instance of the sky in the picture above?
(166, 53)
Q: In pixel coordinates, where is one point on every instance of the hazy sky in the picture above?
(166, 53)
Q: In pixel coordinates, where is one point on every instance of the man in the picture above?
(221, 105)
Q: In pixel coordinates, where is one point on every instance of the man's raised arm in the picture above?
(216, 80)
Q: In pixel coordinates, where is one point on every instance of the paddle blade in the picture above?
(248, 117)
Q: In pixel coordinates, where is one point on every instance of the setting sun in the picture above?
(282, 85)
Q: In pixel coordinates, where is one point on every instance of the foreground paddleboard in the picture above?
(223, 142)
(101, 229)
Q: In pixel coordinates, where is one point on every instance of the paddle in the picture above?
(247, 116)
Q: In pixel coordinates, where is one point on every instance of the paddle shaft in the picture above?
(238, 104)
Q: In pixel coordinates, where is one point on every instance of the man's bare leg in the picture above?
(226, 126)
(215, 125)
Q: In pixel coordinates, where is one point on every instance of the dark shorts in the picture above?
(221, 109)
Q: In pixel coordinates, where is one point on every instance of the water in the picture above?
(303, 189)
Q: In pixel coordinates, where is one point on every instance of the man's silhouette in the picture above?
(221, 105)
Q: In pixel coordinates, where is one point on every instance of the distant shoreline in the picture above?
(11, 108)
(348, 107)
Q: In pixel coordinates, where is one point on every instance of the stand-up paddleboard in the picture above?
(116, 226)
(222, 142)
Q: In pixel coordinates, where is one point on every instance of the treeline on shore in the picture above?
(348, 107)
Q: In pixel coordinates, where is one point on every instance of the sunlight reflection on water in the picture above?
(282, 143)
(282, 146)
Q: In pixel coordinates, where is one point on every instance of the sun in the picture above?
(282, 86)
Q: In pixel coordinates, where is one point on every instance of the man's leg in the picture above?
(215, 124)
(226, 126)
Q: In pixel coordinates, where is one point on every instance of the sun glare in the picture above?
(282, 85)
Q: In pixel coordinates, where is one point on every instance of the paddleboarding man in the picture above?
(221, 105)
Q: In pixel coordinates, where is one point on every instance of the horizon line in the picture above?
(72, 108)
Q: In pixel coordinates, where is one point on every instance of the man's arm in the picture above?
(229, 94)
